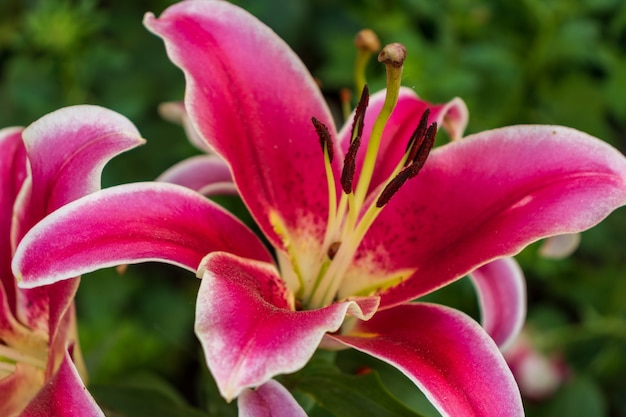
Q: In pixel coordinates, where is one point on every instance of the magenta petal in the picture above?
(247, 325)
(403, 121)
(269, 400)
(446, 354)
(253, 108)
(502, 295)
(206, 174)
(64, 395)
(12, 175)
(67, 150)
(488, 196)
(129, 224)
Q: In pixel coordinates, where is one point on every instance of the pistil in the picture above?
(367, 43)
(351, 218)
(393, 56)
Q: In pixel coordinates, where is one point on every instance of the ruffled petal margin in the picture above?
(247, 325)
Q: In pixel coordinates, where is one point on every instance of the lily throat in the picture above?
(320, 269)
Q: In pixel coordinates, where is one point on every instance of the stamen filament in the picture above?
(367, 43)
(327, 147)
(392, 56)
(6, 369)
(15, 355)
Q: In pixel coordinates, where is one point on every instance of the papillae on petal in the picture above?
(446, 354)
(254, 109)
(488, 196)
(247, 325)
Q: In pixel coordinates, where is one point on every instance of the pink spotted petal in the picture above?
(254, 109)
(64, 395)
(12, 175)
(453, 116)
(269, 400)
(207, 174)
(67, 150)
(247, 325)
(489, 196)
(129, 224)
(502, 295)
(446, 354)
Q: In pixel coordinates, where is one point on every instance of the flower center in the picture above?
(10, 356)
(350, 218)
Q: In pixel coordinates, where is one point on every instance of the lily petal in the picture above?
(206, 174)
(247, 325)
(502, 296)
(445, 353)
(253, 109)
(67, 150)
(129, 224)
(12, 175)
(465, 209)
(453, 116)
(64, 395)
(269, 400)
(61, 321)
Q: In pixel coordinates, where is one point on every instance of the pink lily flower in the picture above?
(352, 251)
(55, 160)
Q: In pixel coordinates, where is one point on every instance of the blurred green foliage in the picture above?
(530, 61)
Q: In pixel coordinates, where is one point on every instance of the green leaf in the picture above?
(347, 395)
(135, 401)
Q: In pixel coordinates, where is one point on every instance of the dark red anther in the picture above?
(412, 167)
(349, 163)
(332, 250)
(394, 185)
(359, 113)
(325, 139)
(417, 138)
(429, 141)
